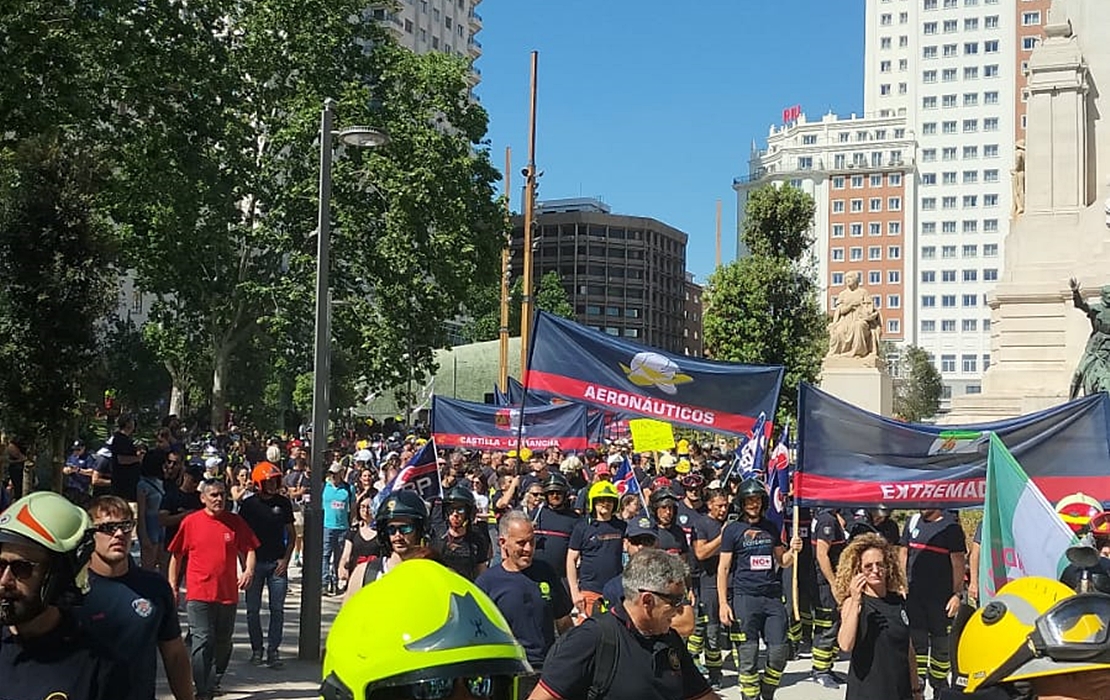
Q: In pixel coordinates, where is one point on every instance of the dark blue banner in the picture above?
(848, 457)
(588, 366)
(484, 427)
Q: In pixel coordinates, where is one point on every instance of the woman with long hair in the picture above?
(362, 541)
(874, 625)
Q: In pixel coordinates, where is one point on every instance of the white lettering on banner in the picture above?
(507, 443)
(644, 404)
(935, 490)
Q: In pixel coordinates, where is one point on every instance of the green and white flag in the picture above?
(1022, 534)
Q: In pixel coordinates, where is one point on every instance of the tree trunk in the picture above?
(177, 397)
(219, 382)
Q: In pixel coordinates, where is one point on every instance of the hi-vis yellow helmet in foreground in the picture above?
(1034, 627)
(417, 632)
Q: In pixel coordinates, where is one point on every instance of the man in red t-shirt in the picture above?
(216, 542)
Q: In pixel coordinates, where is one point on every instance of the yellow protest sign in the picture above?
(651, 435)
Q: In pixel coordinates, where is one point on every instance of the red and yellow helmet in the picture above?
(1077, 510)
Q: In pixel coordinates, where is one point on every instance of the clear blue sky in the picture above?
(652, 106)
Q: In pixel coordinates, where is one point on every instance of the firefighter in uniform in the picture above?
(459, 546)
(829, 540)
(800, 631)
(933, 557)
(553, 524)
(707, 547)
(751, 549)
(663, 506)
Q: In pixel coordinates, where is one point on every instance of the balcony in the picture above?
(475, 20)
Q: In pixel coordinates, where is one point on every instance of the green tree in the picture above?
(918, 387)
(485, 324)
(763, 308)
(56, 286)
(218, 188)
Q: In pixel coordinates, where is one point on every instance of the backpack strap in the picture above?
(605, 656)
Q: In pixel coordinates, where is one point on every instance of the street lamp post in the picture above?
(309, 643)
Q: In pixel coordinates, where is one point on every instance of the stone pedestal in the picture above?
(1037, 336)
(861, 383)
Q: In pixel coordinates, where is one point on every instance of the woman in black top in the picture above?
(362, 540)
(874, 626)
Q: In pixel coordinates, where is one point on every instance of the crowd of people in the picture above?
(573, 581)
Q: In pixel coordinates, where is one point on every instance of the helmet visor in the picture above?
(1073, 631)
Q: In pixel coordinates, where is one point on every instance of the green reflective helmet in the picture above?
(420, 625)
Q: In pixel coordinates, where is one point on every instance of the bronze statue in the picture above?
(1093, 372)
(855, 328)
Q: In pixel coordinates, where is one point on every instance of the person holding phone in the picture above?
(874, 625)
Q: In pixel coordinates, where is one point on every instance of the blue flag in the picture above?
(778, 482)
(625, 478)
(420, 474)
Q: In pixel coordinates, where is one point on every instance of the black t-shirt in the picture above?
(553, 529)
(130, 615)
(600, 545)
(673, 540)
(686, 517)
(648, 668)
(176, 501)
(125, 477)
(929, 561)
(268, 518)
(880, 666)
(827, 528)
(63, 663)
(753, 557)
(463, 554)
(362, 549)
(531, 601)
(706, 529)
(889, 530)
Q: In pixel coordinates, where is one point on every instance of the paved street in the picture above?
(300, 679)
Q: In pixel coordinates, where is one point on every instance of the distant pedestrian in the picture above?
(337, 519)
(270, 516)
(130, 611)
(213, 539)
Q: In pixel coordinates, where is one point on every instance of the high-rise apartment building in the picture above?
(624, 275)
(448, 26)
(948, 67)
(1030, 20)
(860, 173)
(692, 340)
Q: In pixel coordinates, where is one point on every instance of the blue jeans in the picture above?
(333, 549)
(211, 626)
(277, 587)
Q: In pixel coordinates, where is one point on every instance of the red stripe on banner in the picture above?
(509, 442)
(817, 488)
(650, 407)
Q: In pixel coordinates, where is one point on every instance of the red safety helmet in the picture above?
(263, 471)
(1077, 510)
(1099, 525)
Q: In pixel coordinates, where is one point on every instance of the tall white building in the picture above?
(447, 26)
(948, 67)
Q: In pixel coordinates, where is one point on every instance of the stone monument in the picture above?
(853, 369)
(1061, 229)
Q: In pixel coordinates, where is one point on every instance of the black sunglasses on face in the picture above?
(675, 600)
(21, 569)
(110, 528)
(404, 529)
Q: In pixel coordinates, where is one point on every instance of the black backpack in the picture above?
(605, 657)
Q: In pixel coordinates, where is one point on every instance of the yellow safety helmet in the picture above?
(425, 626)
(602, 489)
(1000, 630)
(683, 447)
(683, 466)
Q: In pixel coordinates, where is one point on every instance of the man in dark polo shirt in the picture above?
(270, 516)
(650, 659)
(131, 611)
(528, 592)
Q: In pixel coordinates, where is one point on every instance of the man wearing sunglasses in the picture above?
(630, 652)
(44, 546)
(129, 610)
